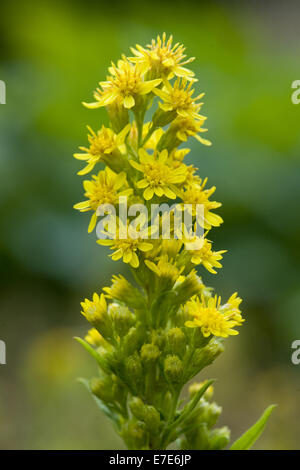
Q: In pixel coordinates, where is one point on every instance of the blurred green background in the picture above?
(52, 56)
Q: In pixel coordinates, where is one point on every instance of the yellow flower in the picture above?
(164, 268)
(159, 178)
(102, 189)
(161, 58)
(124, 85)
(178, 98)
(126, 243)
(207, 257)
(186, 127)
(103, 145)
(94, 338)
(231, 308)
(208, 315)
(196, 194)
(94, 310)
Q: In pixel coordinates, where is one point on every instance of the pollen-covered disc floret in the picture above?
(152, 334)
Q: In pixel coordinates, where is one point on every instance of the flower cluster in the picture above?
(151, 338)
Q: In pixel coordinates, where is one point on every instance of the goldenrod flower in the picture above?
(94, 310)
(205, 256)
(179, 98)
(126, 244)
(124, 85)
(196, 194)
(103, 145)
(103, 189)
(94, 338)
(159, 179)
(161, 58)
(231, 308)
(208, 316)
(164, 268)
(189, 127)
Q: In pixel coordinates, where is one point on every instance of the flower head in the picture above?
(94, 338)
(94, 310)
(196, 194)
(103, 145)
(161, 58)
(164, 268)
(159, 179)
(187, 126)
(209, 316)
(127, 242)
(179, 98)
(205, 256)
(124, 85)
(103, 189)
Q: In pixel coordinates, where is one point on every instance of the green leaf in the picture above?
(105, 409)
(93, 352)
(247, 440)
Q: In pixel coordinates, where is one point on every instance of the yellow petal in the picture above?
(148, 193)
(129, 101)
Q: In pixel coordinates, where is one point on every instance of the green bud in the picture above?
(204, 356)
(132, 341)
(146, 413)
(152, 418)
(122, 318)
(137, 408)
(211, 414)
(135, 435)
(173, 369)
(158, 338)
(192, 285)
(219, 438)
(176, 341)
(122, 290)
(149, 354)
(133, 367)
(102, 388)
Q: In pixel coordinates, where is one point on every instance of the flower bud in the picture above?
(149, 354)
(132, 340)
(135, 435)
(219, 438)
(204, 356)
(146, 413)
(176, 341)
(95, 311)
(191, 285)
(173, 369)
(122, 318)
(123, 291)
(133, 367)
(211, 414)
(102, 388)
(137, 408)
